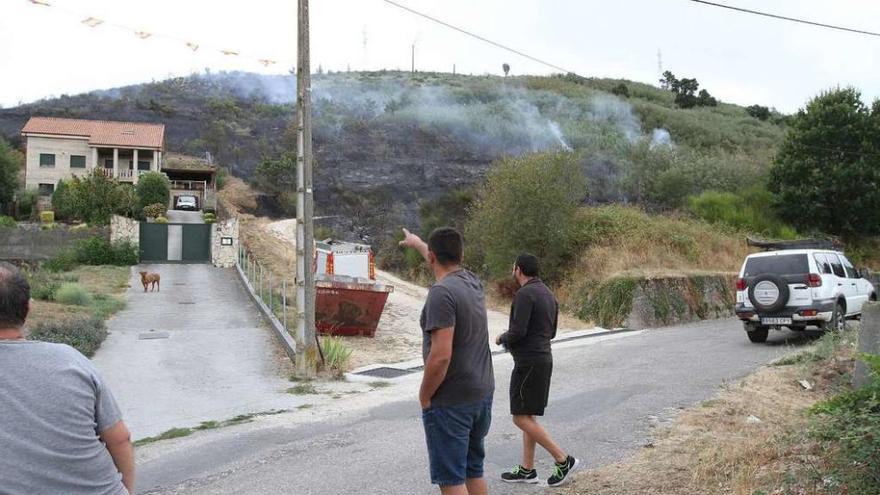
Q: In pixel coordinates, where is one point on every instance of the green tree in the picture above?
(277, 177)
(759, 112)
(10, 167)
(96, 197)
(152, 188)
(826, 176)
(63, 201)
(528, 203)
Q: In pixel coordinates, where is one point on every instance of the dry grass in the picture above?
(236, 196)
(714, 449)
(630, 242)
(109, 281)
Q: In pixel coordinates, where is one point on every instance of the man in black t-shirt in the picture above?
(533, 320)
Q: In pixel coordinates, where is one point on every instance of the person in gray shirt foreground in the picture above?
(458, 383)
(61, 431)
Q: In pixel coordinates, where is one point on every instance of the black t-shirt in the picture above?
(533, 319)
(458, 301)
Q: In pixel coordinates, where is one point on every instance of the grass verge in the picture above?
(206, 425)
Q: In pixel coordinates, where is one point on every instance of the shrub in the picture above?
(155, 210)
(750, 211)
(849, 425)
(209, 218)
(336, 355)
(7, 222)
(161, 220)
(94, 251)
(85, 334)
(63, 201)
(64, 261)
(27, 200)
(73, 294)
(47, 217)
(527, 204)
(152, 187)
(96, 197)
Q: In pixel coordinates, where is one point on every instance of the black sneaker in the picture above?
(561, 470)
(520, 474)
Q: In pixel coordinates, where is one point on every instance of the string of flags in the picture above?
(95, 22)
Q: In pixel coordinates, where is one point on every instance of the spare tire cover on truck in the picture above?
(768, 293)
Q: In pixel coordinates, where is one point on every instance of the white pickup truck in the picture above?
(794, 288)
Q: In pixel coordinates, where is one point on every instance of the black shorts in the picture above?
(530, 388)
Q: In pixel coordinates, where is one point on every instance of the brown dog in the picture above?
(150, 278)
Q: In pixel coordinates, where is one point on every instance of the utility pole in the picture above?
(306, 359)
(413, 58)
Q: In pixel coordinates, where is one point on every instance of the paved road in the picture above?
(606, 392)
(217, 361)
(181, 216)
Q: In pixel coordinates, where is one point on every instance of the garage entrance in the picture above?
(175, 243)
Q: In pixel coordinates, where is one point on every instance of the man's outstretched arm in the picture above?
(411, 240)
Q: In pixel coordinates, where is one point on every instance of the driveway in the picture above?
(180, 216)
(192, 352)
(607, 394)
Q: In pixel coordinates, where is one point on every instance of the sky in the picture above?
(740, 58)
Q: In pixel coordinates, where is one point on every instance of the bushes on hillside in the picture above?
(94, 251)
(152, 188)
(84, 334)
(527, 204)
(749, 211)
(155, 210)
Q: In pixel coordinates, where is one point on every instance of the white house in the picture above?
(58, 148)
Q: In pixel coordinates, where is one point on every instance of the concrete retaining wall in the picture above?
(31, 243)
(869, 342)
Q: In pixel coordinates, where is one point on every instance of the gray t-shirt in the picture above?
(53, 405)
(458, 301)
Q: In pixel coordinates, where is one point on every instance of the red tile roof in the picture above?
(100, 132)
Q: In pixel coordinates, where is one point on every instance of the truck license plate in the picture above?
(776, 321)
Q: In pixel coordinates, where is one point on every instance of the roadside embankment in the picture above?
(656, 301)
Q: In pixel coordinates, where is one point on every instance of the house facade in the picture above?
(58, 148)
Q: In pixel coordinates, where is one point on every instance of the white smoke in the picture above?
(661, 137)
(554, 128)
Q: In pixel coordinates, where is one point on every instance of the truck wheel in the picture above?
(757, 334)
(838, 320)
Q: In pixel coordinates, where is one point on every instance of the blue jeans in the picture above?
(454, 435)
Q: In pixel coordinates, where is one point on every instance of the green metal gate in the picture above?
(175, 243)
(153, 240)
(196, 243)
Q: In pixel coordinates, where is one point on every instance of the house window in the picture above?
(47, 189)
(142, 165)
(47, 160)
(77, 161)
(108, 163)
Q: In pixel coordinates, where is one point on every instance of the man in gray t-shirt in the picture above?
(458, 383)
(61, 431)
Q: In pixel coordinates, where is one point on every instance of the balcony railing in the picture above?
(189, 185)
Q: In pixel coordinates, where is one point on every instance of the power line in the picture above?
(477, 36)
(784, 18)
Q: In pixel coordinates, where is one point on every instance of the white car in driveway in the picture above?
(794, 288)
(186, 202)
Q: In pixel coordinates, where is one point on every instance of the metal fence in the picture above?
(275, 290)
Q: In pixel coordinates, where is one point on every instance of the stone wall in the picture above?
(636, 303)
(224, 256)
(125, 229)
(29, 242)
